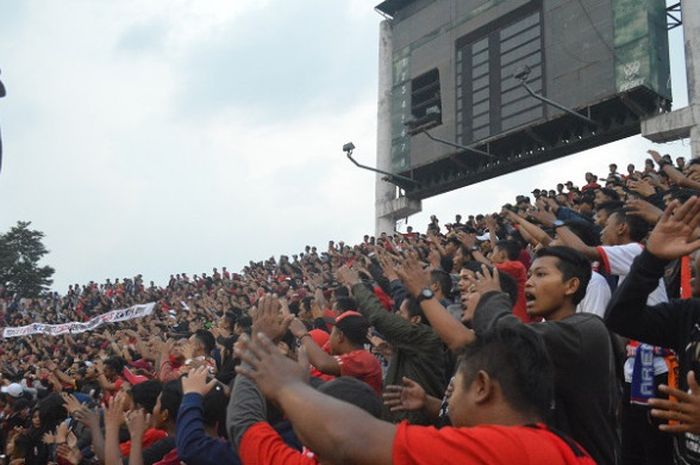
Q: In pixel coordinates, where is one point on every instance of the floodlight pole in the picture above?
(522, 77)
(457, 146)
(389, 176)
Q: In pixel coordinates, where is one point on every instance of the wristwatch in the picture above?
(425, 294)
(558, 224)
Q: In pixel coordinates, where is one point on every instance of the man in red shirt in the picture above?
(348, 356)
(503, 391)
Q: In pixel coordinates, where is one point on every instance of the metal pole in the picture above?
(458, 146)
(389, 176)
(556, 105)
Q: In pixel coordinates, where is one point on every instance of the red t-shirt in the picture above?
(151, 436)
(262, 445)
(517, 271)
(362, 365)
(170, 458)
(487, 444)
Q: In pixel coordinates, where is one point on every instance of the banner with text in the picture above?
(75, 327)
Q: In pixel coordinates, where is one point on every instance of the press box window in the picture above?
(426, 103)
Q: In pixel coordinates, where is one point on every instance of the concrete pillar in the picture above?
(691, 35)
(384, 192)
(684, 122)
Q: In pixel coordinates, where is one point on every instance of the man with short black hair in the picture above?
(348, 356)
(585, 384)
(203, 343)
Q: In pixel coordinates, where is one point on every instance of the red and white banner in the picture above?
(75, 327)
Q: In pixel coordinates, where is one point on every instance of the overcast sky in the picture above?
(170, 136)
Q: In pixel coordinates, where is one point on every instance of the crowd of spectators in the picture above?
(561, 330)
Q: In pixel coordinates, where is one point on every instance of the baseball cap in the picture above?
(14, 390)
(319, 336)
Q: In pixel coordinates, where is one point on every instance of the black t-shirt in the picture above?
(674, 325)
(586, 386)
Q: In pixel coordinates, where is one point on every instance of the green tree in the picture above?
(21, 249)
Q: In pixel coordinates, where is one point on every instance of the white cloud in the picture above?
(100, 154)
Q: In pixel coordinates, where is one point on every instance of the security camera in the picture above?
(349, 147)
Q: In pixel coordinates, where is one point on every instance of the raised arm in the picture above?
(452, 332)
(318, 358)
(530, 229)
(572, 240)
(113, 418)
(673, 174)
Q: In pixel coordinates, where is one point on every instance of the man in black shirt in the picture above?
(675, 324)
(586, 388)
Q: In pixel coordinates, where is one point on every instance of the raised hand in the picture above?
(655, 155)
(114, 412)
(196, 382)
(72, 404)
(69, 454)
(673, 235)
(467, 239)
(268, 318)
(434, 258)
(644, 188)
(348, 276)
(137, 422)
(298, 328)
(387, 267)
(412, 275)
(265, 364)
(485, 281)
(408, 396)
(686, 411)
(87, 417)
(643, 209)
(544, 217)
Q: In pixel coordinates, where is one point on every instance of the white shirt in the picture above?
(617, 260)
(597, 296)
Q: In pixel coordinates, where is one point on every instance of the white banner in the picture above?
(75, 327)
